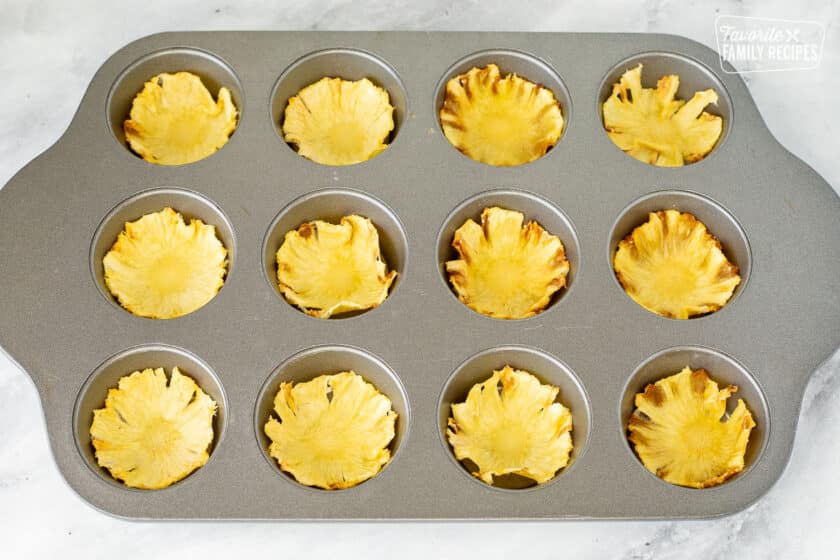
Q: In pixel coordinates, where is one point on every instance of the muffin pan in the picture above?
(776, 218)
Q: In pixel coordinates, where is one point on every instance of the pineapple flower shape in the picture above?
(339, 122)
(653, 127)
(671, 265)
(682, 434)
(326, 269)
(174, 120)
(333, 431)
(516, 430)
(500, 121)
(505, 270)
(162, 268)
(152, 433)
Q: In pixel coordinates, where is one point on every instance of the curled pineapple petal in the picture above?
(174, 120)
(327, 269)
(500, 120)
(161, 268)
(151, 433)
(339, 122)
(680, 434)
(518, 430)
(671, 265)
(333, 431)
(506, 271)
(654, 127)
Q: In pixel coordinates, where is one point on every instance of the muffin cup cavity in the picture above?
(344, 63)
(214, 72)
(549, 370)
(330, 205)
(191, 205)
(694, 76)
(107, 375)
(717, 219)
(524, 65)
(327, 360)
(722, 369)
(534, 207)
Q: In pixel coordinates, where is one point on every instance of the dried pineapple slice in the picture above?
(671, 265)
(679, 433)
(339, 122)
(516, 430)
(162, 268)
(174, 120)
(333, 431)
(500, 121)
(653, 127)
(326, 269)
(506, 271)
(152, 433)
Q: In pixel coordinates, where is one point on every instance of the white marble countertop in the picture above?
(50, 49)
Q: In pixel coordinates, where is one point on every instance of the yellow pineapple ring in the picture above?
(671, 265)
(339, 122)
(518, 430)
(506, 270)
(333, 431)
(681, 433)
(500, 121)
(162, 268)
(653, 127)
(326, 269)
(151, 433)
(174, 120)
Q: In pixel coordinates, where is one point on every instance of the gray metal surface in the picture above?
(775, 216)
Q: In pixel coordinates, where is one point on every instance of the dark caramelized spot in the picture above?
(635, 436)
(662, 220)
(465, 83)
(728, 271)
(654, 394)
(454, 123)
(129, 128)
(306, 230)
